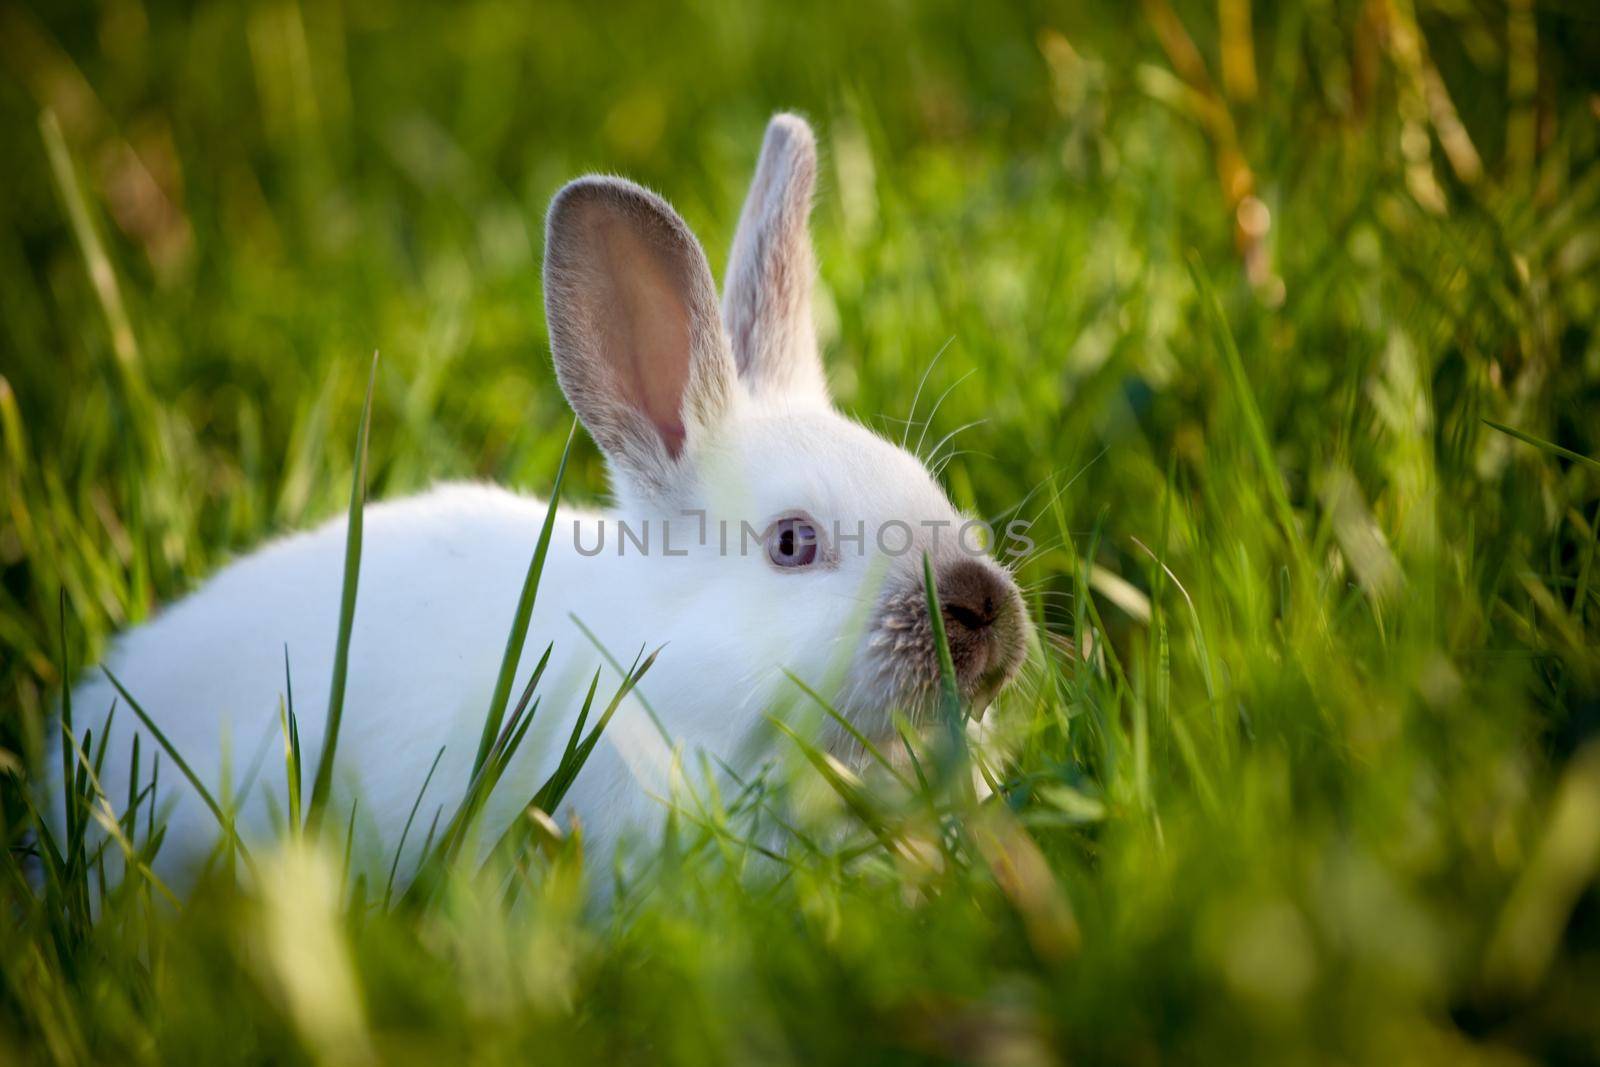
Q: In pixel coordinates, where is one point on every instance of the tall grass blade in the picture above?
(183, 766)
(576, 736)
(1541, 443)
(130, 814)
(464, 821)
(293, 774)
(500, 753)
(616, 665)
(524, 612)
(844, 723)
(103, 814)
(101, 275)
(349, 847)
(949, 696)
(399, 849)
(550, 795)
(67, 775)
(290, 777)
(845, 785)
(1250, 411)
(322, 784)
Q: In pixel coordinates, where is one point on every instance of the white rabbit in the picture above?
(710, 420)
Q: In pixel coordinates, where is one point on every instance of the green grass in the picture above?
(1284, 337)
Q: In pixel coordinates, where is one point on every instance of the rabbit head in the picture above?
(805, 532)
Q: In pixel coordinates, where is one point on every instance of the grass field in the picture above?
(1235, 295)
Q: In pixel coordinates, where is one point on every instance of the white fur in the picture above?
(441, 572)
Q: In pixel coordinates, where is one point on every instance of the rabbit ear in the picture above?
(632, 311)
(766, 301)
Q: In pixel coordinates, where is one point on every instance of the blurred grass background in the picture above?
(1324, 786)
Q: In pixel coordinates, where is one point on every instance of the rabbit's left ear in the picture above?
(766, 299)
(632, 310)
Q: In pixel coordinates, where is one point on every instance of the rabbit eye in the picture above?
(792, 543)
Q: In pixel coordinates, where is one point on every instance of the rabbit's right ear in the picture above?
(634, 327)
(766, 298)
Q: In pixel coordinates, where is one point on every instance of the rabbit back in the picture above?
(439, 581)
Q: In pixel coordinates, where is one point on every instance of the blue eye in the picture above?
(792, 542)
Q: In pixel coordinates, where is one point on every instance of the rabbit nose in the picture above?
(972, 596)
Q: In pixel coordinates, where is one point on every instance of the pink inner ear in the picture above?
(649, 342)
(657, 346)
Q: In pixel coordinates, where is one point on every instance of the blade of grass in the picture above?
(907, 738)
(1542, 444)
(291, 745)
(105, 738)
(507, 743)
(488, 776)
(131, 812)
(844, 783)
(845, 724)
(427, 842)
(292, 779)
(949, 702)
(524, 612)
(107, 818)
(349, 847)
(101, 275)
(576, 736)
(500, 758)
(554, 789)
(616, 665)
(155, 792)
(388, 889)
(1255, 428)
(550, 795)
(757, 787)
(322, 784)
(463, 822)
(67, 775)
(172, 752)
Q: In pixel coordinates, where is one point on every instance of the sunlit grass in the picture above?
(1277, 322)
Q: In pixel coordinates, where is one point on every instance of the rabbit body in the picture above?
(767, 536)
(439, 581)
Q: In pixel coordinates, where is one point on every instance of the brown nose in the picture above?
(973, 596)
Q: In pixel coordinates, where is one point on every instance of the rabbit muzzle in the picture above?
(986, 628)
